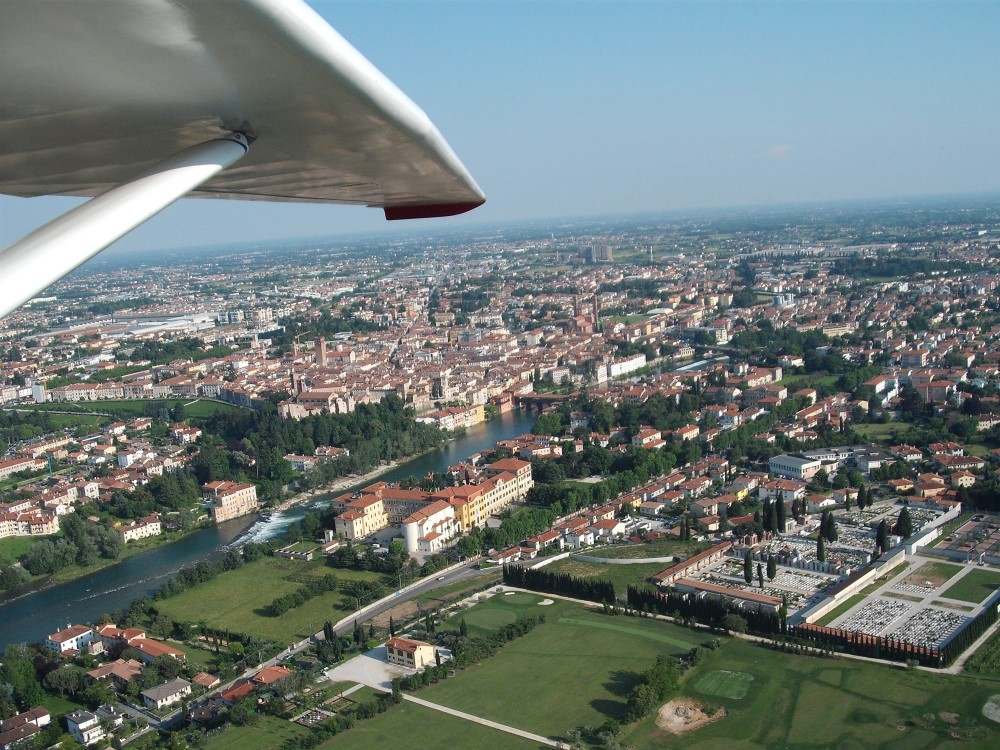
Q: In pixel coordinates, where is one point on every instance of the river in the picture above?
(31, 616)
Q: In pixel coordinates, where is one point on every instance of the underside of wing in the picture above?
(95, 92)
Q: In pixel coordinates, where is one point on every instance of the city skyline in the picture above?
(565, 109)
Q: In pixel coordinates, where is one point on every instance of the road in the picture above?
(346, 625)
(466, 571)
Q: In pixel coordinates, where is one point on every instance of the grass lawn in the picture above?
(268, 733)
(936, 572)
(797, 382)
(986, 659)
(136, 407)
(655, 548)
(454, 591)
(575, 669)
(878, 431)
(418, 728)
(237, 600)
(201, 658)
(809, 702)
(620, 575)
(58, 706)
(975, 586)
(13, 547)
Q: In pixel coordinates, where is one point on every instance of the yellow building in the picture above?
(408, 653)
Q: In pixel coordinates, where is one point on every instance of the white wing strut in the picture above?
(46, 255)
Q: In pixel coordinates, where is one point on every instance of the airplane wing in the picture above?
(95, 93)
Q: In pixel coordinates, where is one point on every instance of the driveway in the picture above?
(370, 668)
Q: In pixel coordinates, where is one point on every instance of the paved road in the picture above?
(485, 722)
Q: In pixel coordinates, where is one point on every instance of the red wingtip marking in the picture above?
(393, 213)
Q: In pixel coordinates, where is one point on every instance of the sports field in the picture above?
(237, 600)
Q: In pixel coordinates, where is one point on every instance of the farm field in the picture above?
(237, 600)
(975, 586)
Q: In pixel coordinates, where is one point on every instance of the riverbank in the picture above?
(343, 483)
(75, 572)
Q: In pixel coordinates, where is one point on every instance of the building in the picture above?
(12, 466)
(166, 694)
(145, 527)
(72, 638)
(428, 529)
(85, 727)
(411, 654)
(794, 467)
(23, 725)
(230, 500)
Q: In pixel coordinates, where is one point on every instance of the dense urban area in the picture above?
(759, 501)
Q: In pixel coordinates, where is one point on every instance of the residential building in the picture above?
(172, 691)
(230, 500)
(404, 652)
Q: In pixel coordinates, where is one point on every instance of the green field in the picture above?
(454, 590)
(935, 571)
(620, 575)
(975, 586)
(724, 684)
(237, 600)
(655, 548)
(577, 668)
(268, 733)
(58, 706)
(419, 728)
(881, 432)
(564, 674)
(137, 407)
(986, 659)
(13, 547)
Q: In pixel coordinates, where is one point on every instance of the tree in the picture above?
(734, 623)
(904, 524)
(463, 629)
(392, 627)
(862, 497)
(760, 575)
(772, 568)
(243, 713)
(748, 569)
(821, 549)
(882, 538)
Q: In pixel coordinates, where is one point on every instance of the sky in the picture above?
(576, 109)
